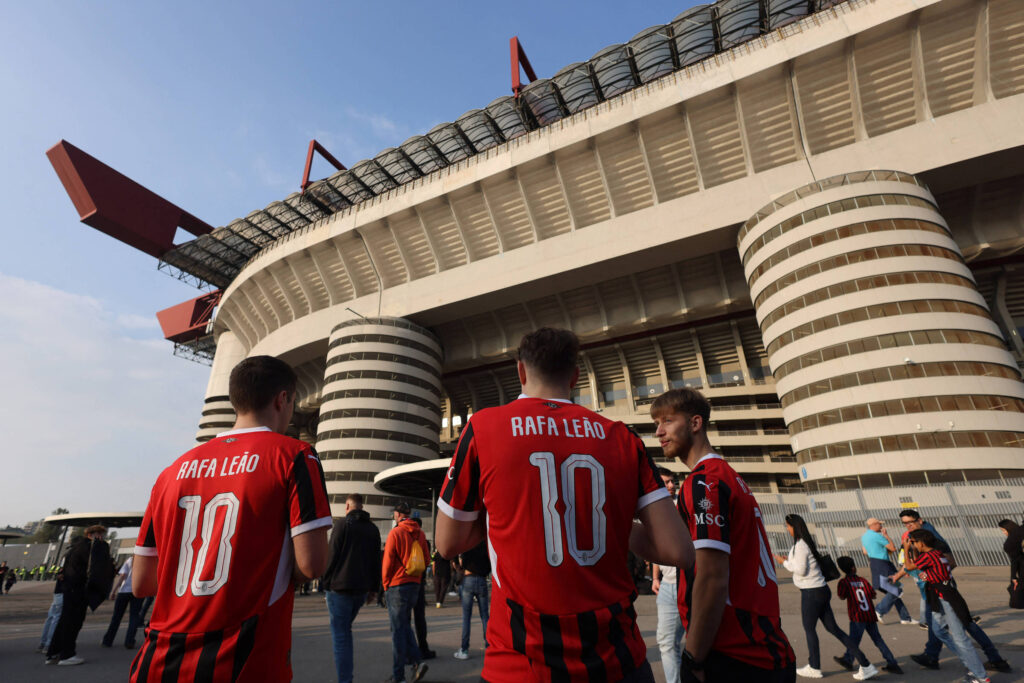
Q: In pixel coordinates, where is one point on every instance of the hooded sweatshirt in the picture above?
(354, 565)
(396, 551)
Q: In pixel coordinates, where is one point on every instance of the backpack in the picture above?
(415, 563)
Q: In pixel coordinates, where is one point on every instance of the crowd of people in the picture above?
(542, 505)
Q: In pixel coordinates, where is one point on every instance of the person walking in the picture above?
(1013, 546)
(53, 614)
(815, 597)
(419, 610)
(442, 578)
(405, 561)
(83, 553)
(859, 596)
(477, 567)
(876, 544)
(351, 579)
(123, 599)
(666, 586)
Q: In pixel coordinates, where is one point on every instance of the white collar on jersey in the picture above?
(711, 456)
(247, 430)
(560, 400)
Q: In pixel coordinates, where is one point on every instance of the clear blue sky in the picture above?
(211, 105)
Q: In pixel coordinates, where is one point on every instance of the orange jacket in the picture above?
(396, 550)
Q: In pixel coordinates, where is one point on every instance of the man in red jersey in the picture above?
(729, 604)
(558, 486)
(229, 526)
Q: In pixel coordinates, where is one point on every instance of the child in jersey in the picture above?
(949, 609)
(860, 607)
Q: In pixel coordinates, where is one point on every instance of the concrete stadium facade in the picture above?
(817, 227)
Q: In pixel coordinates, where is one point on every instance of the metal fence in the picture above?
(966, 514)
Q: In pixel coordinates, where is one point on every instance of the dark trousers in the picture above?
(441, 582)
(419, 618)
(642, 674)
(815, 607)
(72, 616)
(122, 602)
(721, 669)
(857, 629)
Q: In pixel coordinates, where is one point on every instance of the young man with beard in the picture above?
(729, 603)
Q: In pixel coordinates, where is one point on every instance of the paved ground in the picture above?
(22, 613)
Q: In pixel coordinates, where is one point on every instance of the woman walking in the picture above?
(815, 597)
(1014, 549)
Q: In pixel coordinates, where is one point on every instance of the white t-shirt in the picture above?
(126, 572)
(668, 574)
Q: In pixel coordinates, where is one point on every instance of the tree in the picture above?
(48, 533)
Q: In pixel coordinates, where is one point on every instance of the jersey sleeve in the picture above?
(460, 495)
(650, 487)
(843, 589)
(145, 544)
(308, 506)
(712, 508)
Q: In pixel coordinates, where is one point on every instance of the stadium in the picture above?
(811, 210)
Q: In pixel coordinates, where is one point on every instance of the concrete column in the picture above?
(381, 407)
(886, 357)
(218, 415)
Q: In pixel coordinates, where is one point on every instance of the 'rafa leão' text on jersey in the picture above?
(220, 521)
(559, 485)
(723, 515)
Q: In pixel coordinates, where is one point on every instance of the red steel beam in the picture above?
(113, 203)
(315, 146)
(187, 321)
(519, 58)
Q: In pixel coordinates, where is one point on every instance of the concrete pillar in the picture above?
(218, 415)
(381, 407)
(886, 357)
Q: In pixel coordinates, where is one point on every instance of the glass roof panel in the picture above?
(450, 140)
(782, 12)
(542, 98)
(482, 131)
(398, 165)
(505, 113)
(613, 67)
(738, 21)
(424, 154)
(652, 53)
(374, 176)
(576, 84)
(349, 185)
(694, 35)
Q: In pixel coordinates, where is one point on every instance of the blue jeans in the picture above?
(52, 617)
(134, 606)
(343, 608)
(857, 629)
(670, 630)
(934, 646)
(950, 631)
(474, 586)
(401, 600)
(881, 568)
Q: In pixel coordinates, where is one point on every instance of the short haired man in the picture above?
(559, 487)
(353, 573)
(402, 586)
(84, 549)
(729, 604)
(876, 544)
(929, 659)
(229, 527)
(665, 585)
(477, 567)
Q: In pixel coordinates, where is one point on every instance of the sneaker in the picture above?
(1002, 666)
(971, 678)
(453, 594)
(809, 672)
(923, 626)
(844, 662)
(865, 672)
(438, 605)
(71, 661)
(881, 619)
(461, 654)
(893, 668)
(910, 621)
(418, 672)
(924, 661)
(52, 660)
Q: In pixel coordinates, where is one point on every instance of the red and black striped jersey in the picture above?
(559, 485)
(220, 521)
(723, 515)
(859, 596)
(933, 566)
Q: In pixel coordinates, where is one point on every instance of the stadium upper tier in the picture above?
(696, 35)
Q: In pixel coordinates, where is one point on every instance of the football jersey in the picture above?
(220, 522)
(560, 486)
(859, 594)
(722, 514)
(933, 566)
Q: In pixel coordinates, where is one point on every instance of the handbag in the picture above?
(828, 567)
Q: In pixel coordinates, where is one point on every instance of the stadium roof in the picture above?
(107, 519)
(215, 258)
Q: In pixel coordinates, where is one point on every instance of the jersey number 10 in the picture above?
(544, 461)
(189, 577)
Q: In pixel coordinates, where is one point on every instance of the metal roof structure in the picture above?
(107, 519)
(214, 259)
